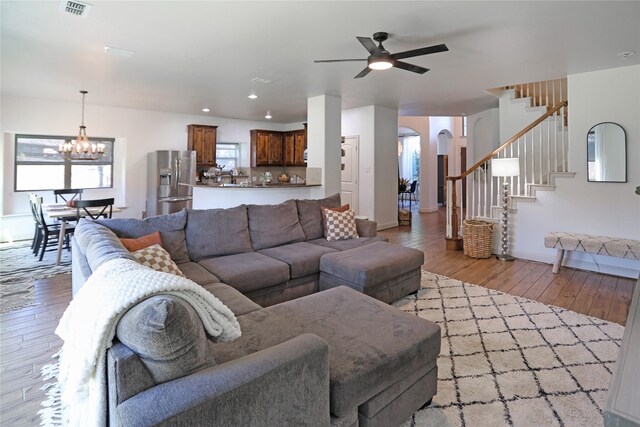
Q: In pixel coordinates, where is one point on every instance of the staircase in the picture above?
(542, 150)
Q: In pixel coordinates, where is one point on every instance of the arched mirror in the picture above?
(606, 153)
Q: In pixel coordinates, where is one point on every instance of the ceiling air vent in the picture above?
(76, 8)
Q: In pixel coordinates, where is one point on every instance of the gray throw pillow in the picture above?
(168, 336)
(217, 232)
(171, 228)
(274, 225)
(310, 215)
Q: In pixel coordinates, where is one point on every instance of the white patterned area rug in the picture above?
(19, 268)
(510, 361)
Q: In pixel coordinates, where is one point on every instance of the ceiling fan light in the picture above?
(380, 64)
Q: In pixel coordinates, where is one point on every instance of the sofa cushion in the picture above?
(142, 242)
(157, 258)
(217, 232)
(98, 243)
(372, 345)
(303, 258)
(197, 273)
(232, 298)
(171, 228)
(168, 336)
(343, 245)
(248, 271)
(310, 214)
(274, 225)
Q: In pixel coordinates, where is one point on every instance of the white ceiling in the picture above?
(189, 55)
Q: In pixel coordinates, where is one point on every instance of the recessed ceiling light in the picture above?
(268, 116)
(205, 110)
(253, 96)
(625, 55)
(119, 52)
(261, 80)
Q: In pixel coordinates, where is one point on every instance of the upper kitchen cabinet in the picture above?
(266, 148)
(295, 142)
(202, 139)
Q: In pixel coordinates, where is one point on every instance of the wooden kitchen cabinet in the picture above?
(266, 148)
(202, 139)
(295, 142)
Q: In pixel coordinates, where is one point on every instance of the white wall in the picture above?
(386, 176)
(483, 134)
(360, 122)
(377, 128)
(513, 120)
(323, 140)
(136, 131)
(610, 209)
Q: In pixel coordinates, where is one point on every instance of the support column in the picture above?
(323, 139)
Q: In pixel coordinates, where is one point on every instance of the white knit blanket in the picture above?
(88, 327)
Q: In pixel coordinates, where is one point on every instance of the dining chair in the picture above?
(82, 208)
(48, 233)
(411, 193)
(68, 195)
(36, 232)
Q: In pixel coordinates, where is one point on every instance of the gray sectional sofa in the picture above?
(335, 357)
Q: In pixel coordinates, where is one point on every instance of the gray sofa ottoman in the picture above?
(384, 271)
(382, 361)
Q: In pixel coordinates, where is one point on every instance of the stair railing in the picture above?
(542, 149)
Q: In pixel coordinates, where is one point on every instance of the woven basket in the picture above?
(478, 238)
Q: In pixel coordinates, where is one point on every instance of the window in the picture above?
(228, 154)
(38, 166)
(464, 125)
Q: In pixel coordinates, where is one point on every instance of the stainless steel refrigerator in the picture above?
(171, 176)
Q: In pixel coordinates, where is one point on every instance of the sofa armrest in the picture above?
(287, 384)
(366, 228)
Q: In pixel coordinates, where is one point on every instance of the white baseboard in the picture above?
(599, 263)
(428, 210)
(386, 225)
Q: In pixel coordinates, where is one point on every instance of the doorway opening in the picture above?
(408, 166)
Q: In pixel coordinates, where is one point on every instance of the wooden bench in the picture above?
(600, 245)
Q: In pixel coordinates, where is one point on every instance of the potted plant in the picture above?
(403, 184)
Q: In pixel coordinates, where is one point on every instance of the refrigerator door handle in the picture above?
(175, 199)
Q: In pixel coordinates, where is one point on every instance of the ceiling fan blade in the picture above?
(410, 67)
(363, 73)
(422, 51)
(368, 44)
(338, 60)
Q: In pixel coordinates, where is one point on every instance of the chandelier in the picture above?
(81, 149)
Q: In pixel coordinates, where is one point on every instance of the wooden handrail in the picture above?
(508, 142)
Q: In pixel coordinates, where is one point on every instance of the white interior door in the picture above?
(349, 174)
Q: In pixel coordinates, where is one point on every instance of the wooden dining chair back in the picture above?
(48, 234)
(99, 208)
(68, 195)
(34, 215)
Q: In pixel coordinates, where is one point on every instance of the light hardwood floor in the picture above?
(27, 338)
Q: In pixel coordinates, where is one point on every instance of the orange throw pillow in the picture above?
(142, 242)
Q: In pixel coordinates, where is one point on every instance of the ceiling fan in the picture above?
(381, 59)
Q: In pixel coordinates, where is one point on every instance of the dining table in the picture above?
(63, 214)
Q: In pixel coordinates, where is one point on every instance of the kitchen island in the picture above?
(230, 195)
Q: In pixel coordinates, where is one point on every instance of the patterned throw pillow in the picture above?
(340, 225)
(342, 208)
(157, 258)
